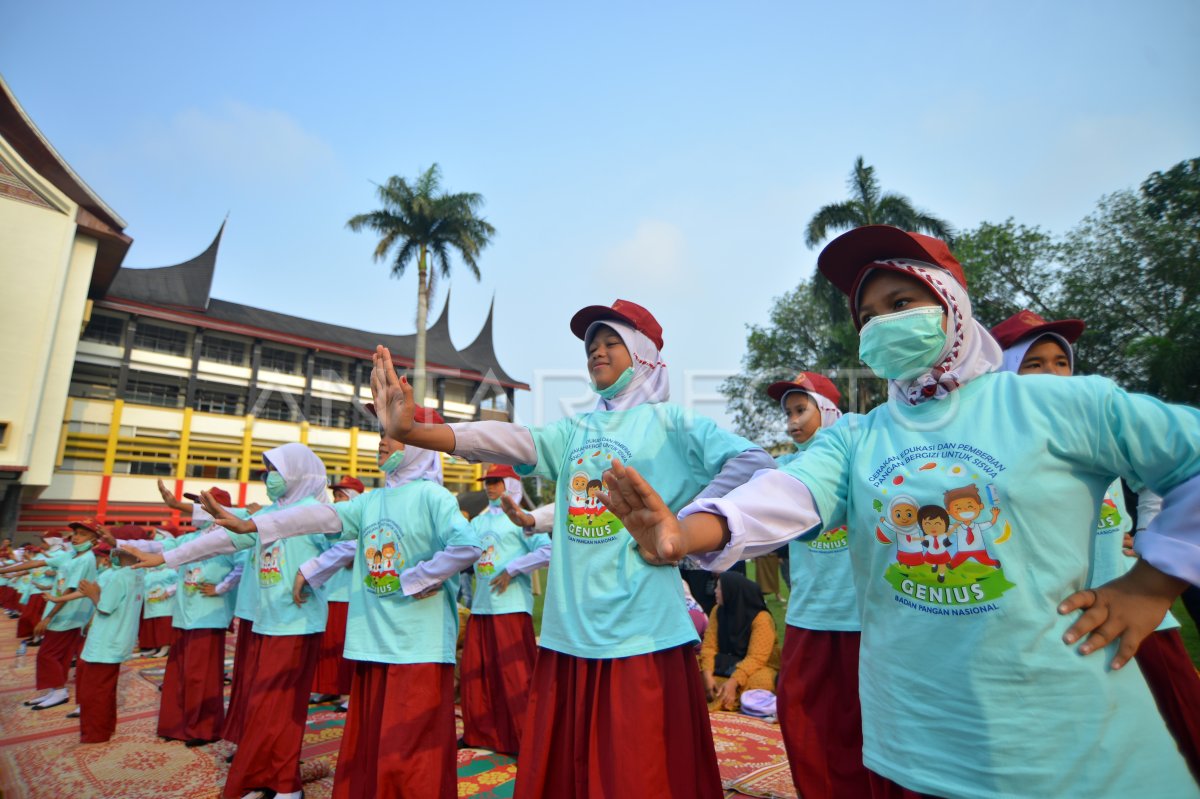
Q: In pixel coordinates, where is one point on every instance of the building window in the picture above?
(94, 382)
(144, 392)
(203, 471)
(104, 329)
(208, 401)
(277, 407)
(326, 368)
(151, 469)
(277, 360)
(160, 339)
(223, 350)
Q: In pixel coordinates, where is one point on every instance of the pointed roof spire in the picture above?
(184, 285)
(482, 351)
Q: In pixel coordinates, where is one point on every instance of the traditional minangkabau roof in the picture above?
(181, 293)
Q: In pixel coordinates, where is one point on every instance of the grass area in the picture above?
(1191, 636)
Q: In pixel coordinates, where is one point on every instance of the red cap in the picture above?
(169, 527)
(130, 532)
(91, 525)
(351, 483)
(101, 549)
(221, 496)
(622, 310)
(500, 472)
(843, 259)
(806, 381)
(1024, 324)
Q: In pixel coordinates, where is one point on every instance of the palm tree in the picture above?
(419, 222)
(868, 205)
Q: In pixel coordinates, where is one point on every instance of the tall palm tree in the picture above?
(420, 222)
(868, 205)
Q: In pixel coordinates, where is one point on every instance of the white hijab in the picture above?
(829, 411)
(1016, 353)
(418, 464)
(650, 383)
(970, 350)
(303, 472)
(512, 487)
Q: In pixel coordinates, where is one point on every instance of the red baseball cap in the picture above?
(625, 311)
(101, 549)
(221, 496)
(91, 525)
(1024, 324)
(133, 532)
(499, 472)
(843, 259)
(350, 483)
(806, 381)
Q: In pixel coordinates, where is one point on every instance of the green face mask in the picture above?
(617, 385)
(276, 485)
(84, 547)
(393, 462)
(114, 561)
(900, 346)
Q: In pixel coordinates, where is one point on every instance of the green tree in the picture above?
(1009, 268)
(419, 222)
(1132, 272)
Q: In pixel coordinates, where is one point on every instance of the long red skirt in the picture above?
(268, 754)
(193, 691)
(497, 666)
(9, 598)
(399, 738)
(334, 673)
(31, 614)
(635, 726)
(819, 713)
(1175, 685)
(54, 657)
(155, 633)
(96, 694)
(243, 666)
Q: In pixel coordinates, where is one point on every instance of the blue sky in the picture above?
(668, 154)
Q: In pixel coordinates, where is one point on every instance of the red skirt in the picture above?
(334, 672)
(54, 657)
(399, 738)
(635, 726)
(268, 754)
(235, 716)
(193, 691)
(1173, 681)
(819, 713)
(9, 598)
(31, 614)
(155, 633)
(497, 666)
(96, 694)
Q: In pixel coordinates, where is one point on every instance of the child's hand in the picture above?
(392, 396)
(428, 592)
(40, 629)
(89, 589)
(515, 515)
(57, 600)
(208, 589)
(168, 497)
(146, 560)
(644, 514)
(1127, 546)
(298, 588)
(499, 583)
(224, 518)
(1129, 608)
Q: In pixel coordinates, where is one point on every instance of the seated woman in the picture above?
(740, 649)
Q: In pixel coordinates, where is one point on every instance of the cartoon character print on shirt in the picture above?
(940, 511)
(588, 520)
(270, 565)
(192, 578)
(486, 565)
(1110, 515)
(384, 557)
(156, 595)
(834, 540)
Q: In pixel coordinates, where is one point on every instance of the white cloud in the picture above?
(653, 255)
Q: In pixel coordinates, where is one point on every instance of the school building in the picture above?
(116, 377)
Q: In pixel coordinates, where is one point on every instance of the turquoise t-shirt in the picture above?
(397, 529)
(822, 592)
(501, 541)
(602, 599)
(337, 587)
(114, 630)
(159, 580)
(966, 686)
(195, 610)
(1110, 562)
(246, 599)
(271, 574)
(69, 570)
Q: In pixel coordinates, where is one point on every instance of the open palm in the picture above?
(644, 514)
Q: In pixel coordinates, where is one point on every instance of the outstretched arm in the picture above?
(395, 407)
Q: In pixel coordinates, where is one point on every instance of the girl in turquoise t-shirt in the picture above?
(1035, 346)
(966, 686)
(617, 706)
(819, 712)
(500, 647)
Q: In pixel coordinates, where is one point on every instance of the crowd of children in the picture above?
(941, 550)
